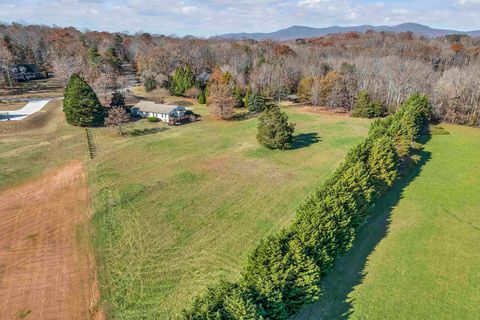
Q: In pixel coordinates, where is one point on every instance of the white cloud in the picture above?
(209, 17)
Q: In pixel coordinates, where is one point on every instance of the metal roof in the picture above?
(150, 106)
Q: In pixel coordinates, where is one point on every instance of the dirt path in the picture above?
(46, 266)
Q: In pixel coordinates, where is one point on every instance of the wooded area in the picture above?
(327, 71)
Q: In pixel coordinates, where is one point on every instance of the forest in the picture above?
(329, 71)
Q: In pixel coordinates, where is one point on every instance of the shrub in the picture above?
(150, 84)
(201, 98)
(152, 119)
(81, 105)
(437, 130)
(366, 108)
(274, 130)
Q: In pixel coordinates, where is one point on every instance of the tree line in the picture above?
(284, 272)
(328, 71)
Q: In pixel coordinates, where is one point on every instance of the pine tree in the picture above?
(366, 108)
(274, 130)
(383, 162)
(81, 105)
(118, 99)
(256, 102)
(182, 80)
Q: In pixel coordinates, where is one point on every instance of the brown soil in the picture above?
(46, 264)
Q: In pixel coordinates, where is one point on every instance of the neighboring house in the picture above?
(203, 77)
(25, 72)
(164, 112)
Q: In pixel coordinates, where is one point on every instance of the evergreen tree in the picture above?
(383, 162)
(81, 105)
(224, 300)
(265, 277)
(274, 130)
(118, 99)
(201, 98)
(256, 102)
(366, 108)
(150, 84)
(246, 98)
(182, 80)
(237, 93)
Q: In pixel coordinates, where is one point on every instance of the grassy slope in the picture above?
(420, 247)
(42, 141)
(180, 209)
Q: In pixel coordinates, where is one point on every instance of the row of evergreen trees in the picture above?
(284, 271)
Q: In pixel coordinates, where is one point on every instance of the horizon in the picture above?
(200, 19)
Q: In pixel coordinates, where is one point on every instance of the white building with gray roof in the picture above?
(164, 112)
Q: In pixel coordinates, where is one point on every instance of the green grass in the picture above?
(418, 257)
(41, 142)
(180, 209)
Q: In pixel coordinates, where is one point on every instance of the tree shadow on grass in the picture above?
(348, 271)
(304, 140)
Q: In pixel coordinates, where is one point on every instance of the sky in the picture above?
(212, 17)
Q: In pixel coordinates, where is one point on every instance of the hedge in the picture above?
(284, 271)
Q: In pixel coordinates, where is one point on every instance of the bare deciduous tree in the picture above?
(117, 118)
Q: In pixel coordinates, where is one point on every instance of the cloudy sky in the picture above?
(211, 17)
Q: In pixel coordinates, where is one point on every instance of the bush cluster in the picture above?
(284, 271)
(152, 119)
(150, 84)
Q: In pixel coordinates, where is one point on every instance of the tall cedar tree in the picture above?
(81, 105)
(274, 130)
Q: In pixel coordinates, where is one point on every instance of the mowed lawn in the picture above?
(180, 209)
(41, 142)
(418, 257)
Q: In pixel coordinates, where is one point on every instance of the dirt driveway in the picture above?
(46, 265)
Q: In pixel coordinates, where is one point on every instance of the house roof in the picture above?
(150, 106)
(204, 76)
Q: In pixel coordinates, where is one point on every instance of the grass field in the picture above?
(40, 142)
(180, 209)
(418, 256)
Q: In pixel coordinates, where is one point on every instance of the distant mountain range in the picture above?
(296, 32)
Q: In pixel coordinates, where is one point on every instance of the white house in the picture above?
(164, 112)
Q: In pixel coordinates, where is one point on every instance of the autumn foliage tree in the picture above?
(220, 100)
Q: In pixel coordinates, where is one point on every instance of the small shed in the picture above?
(164, 112)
